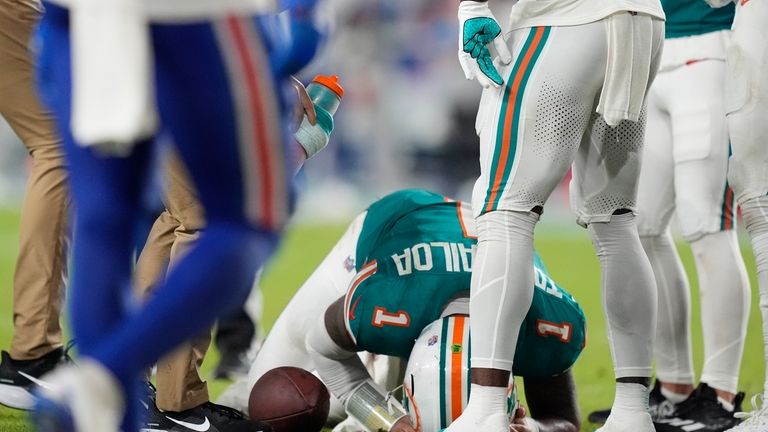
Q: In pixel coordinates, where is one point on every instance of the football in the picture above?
(291, 400)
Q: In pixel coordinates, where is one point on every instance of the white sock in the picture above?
(725, 300)
(486, 411)
(488, 400)
(501, 289)
(674, 356)
(629, 295)
(727, 405)
(672, 396)
(755, 212)
(630, 397)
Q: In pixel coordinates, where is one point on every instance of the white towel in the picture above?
(112, 94)
(628, 69)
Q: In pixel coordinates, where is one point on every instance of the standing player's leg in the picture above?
(220, 103)
(108, 194)
(246, 205)
(747, 106)
(234, 337)
(529, 132)
(655, 207)
(603, 192)
(706, 214)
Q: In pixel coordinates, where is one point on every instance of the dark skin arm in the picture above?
(552, 403)
(337, 329)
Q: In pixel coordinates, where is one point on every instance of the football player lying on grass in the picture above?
(412, 254)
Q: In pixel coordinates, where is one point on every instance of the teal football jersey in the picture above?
(414, 256)
(695, 17)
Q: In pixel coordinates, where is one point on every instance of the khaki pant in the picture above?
(41, 263)
(179, 386)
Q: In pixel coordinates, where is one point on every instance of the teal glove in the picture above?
(478, 28)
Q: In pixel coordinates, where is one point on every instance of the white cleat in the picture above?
(470, 423)
(628, 421)
(82, 398)
(754, 421)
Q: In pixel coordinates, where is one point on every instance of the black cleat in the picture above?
(701, 412)
(18, 377)
(658, 406)
(208, 417)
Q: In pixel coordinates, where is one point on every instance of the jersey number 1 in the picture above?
(562, 331)
(383, 318)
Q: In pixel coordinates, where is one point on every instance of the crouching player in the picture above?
(412, 254)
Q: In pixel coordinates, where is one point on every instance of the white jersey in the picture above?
(535, 13)
(182, 10)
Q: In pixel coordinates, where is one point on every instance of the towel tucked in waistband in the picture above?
(628, 71)
(112, 93)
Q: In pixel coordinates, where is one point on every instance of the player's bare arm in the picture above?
(552, 403)
(335, 355)
(334, 322)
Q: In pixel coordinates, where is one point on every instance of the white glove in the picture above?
(478, 28)
(719, 3)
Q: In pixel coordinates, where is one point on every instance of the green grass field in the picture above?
(568, 256)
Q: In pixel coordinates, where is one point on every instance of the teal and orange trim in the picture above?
(443, 342)
(728, 211)
(454, 368)
(509, 117)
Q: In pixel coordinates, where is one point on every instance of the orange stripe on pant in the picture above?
(510, 115)
(456, 367)
(262, 143)
(729, 213)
